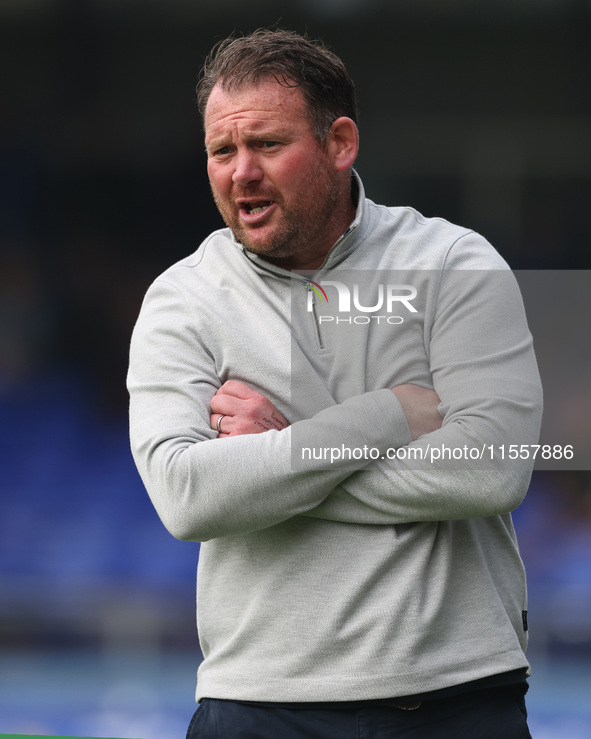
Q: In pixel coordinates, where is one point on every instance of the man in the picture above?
(292, 385)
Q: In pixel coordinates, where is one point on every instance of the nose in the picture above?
(247, 168)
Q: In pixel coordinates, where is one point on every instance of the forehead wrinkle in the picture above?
(259, 115)
(261, 103)
(229, 127)
(231, 130)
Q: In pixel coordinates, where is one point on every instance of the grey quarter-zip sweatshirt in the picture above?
(340, 560)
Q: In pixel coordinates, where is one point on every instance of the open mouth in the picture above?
(256, 207)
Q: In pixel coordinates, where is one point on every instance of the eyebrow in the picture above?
(214, 143)
(271, 134)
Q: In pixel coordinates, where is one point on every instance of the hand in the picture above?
(244, 411)
(420, 407)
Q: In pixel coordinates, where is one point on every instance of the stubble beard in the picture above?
(303, 222)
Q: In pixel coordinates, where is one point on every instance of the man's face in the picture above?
(274, 184)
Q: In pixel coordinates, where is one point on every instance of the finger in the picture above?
(220, 422)
(228, 404)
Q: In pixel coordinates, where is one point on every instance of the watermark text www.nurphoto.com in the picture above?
(433, 454)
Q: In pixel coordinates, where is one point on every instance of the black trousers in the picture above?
(494, 713)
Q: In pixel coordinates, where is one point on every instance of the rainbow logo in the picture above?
(318, 290)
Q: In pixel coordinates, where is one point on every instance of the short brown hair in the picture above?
(294, 61)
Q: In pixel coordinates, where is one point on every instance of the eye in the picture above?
(221, 151)
(269, 144)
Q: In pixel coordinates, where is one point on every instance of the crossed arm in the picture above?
(204, 488)
(246, 411)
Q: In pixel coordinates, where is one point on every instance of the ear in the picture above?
(343, 143)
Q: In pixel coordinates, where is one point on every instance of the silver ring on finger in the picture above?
(219, 430)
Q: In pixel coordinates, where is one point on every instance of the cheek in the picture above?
(297, 171)
(216, 179)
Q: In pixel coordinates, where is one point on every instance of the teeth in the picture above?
(259, 208)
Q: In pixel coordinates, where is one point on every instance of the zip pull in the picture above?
(311, 308)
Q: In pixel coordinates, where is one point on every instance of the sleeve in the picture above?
(484, 370)
(203, 487)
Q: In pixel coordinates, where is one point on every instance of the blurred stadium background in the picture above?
(477, 112)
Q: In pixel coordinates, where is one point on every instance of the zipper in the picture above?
(319, 338)
(338, 242)
(315, 320)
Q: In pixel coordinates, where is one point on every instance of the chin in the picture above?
(268, 251)
(269, 247)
